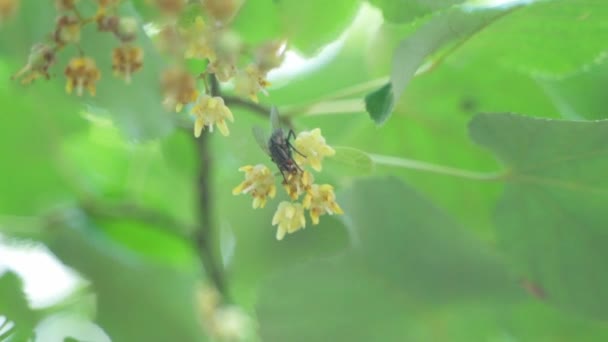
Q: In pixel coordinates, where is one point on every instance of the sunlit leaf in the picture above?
(447, 27)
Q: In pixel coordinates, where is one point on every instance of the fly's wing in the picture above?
(274, 118)
(261, 138)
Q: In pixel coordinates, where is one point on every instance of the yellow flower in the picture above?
(209, 111)
(41, 58)
(178, 87)
(81, 72)
(312, 145)
(126, 60)
(321, 200)
(259, 182)
(298, 183)
(200, 41)
(289, 217)
(250, 82)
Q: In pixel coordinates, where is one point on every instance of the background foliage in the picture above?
(474, 211)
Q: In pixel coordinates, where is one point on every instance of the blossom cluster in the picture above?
(221, 49)
(82, 72)
(317, 199)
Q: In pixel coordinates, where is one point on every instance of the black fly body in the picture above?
(279, 146)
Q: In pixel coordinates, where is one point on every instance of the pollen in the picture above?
(126, 60)
(321, 200)
(298, 183)
(313, 147)
(289, 217)
(209, 111)
(82, 73)
(178, 87)
(259, 182)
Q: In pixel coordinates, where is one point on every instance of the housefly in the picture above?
(278, 146)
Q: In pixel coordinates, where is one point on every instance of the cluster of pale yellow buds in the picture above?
(82, 71)
(317, 199)
(214, 42)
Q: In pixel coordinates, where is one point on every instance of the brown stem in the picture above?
(256, 108)
(204, 235)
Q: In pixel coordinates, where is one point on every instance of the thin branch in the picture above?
(255, 108)
(438, 169)
(204, 234)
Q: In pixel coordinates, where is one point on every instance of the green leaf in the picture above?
(14, 308)
(380, 104)
(137, 299)
(30, 134)
(551, 218)
(309, 25)
(406, 255)
(538, 38)
(579, 96)
(406, 10)
(258, 21)
(350, 160)
(447, 27)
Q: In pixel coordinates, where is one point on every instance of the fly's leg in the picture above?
(290, 135)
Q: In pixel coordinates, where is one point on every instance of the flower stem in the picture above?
(204, 234)
(438, 169)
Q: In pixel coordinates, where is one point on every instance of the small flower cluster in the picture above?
(222, 322)
(221, 49)
(310, 150)
(82, 72)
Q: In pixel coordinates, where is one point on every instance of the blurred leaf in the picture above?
(309, 25)
(31, 130)
(137, 299)
(538, 38)
(551, 218)
(348, 160)
(407, 10)
(580, 96)
(148, 174)
(406, 253)
(447, 27)
(14, 307)
(258, 21)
